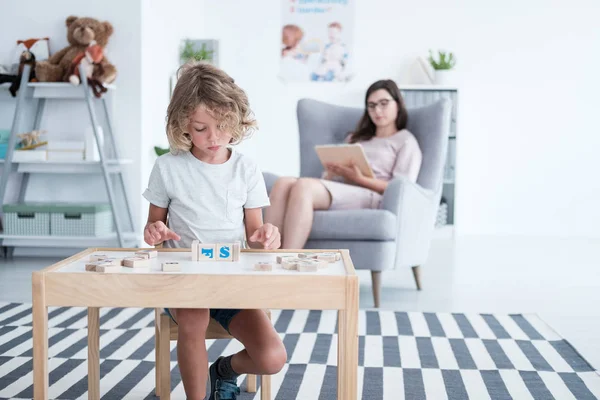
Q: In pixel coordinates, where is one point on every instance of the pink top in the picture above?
(393, 156)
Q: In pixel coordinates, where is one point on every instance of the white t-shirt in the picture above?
(206, 201)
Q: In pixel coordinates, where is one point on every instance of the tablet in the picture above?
(345, 154)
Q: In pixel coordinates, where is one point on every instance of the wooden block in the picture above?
(171, 266)
(98, 257)
(307, 255)
(281, 258)
(290, 263)
(195, 250)
(338, 256)
(224, 252)
(329, 257)
(91, 266)
(107, 269)
(321, 264)
(307, 266)
(113, 261)
(206, 252)
(263, 266)
(147, 253)
(237, 249)
(136, 262)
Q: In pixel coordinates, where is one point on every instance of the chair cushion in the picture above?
(354, 225)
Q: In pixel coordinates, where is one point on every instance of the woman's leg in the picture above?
(191, 350)
(307, 195)
(264, 352)
(275, 214)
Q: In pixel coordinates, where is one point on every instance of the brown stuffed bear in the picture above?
(80, 33)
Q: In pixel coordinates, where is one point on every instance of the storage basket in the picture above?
(26, 219)
(81, 220)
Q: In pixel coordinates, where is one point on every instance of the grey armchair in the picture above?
(399, 234)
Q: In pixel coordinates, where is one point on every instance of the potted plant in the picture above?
(191, 52)
(443, 67)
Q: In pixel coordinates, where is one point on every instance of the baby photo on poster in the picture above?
(316, 40)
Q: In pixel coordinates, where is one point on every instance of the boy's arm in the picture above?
(259, 235)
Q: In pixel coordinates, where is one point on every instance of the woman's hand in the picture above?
(157, 232)
(351, 173)
(268, 235)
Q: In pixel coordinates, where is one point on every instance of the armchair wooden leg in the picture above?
(376, 282)
(251, 383)
(417, 274)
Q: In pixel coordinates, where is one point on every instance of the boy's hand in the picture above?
(158, 232)
(268, 235)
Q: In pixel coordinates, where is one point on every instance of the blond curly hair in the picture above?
(200, 83)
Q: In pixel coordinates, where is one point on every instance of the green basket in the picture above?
(81, 220)
(26, 220)
(42, 219)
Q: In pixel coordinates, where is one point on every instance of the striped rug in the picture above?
(401, 356)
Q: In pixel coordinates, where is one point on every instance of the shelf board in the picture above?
(68, 167)
(65, 241)
(56, 90)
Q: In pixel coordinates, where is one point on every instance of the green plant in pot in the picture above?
(443, 65)
(190, 53)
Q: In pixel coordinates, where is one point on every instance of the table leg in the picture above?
(93, 353)
(348, 343)
(40, 337)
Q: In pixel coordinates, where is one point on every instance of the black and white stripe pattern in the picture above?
(401, 356)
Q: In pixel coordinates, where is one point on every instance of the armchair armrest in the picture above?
(269, 180)
(415, 208)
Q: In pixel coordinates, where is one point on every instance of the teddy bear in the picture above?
(80, 34)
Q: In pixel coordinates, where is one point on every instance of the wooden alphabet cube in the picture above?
(147, 253)
(171, 266)
(136, 262)
(98, 257)
(290, 263)
(263, 266)
(237, 248)
(329, 257)
(307, 255)
(224, 252)
(195, 250)
(108, 268)
(91, 266)
(112, 261)
(307, 266)
(281, 258)
(206, 252)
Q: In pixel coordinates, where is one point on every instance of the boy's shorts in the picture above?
(222, 315)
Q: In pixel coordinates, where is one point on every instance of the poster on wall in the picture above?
(316, 40)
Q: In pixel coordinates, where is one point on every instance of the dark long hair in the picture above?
(366, 128)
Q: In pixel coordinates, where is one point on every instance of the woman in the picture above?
(391, 150)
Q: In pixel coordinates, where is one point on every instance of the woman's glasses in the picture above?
(384, 103)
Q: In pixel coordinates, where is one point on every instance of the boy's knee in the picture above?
(192, 321)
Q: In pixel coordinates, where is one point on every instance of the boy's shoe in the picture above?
(219, 388)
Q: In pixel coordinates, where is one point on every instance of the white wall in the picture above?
(164, 26)
(528, 76)
(29, 18)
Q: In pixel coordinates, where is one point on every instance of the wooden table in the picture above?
(198, 285)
